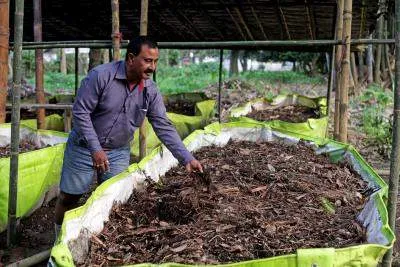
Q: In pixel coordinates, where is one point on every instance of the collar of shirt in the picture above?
(121, 74)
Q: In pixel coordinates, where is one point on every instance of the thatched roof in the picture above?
(195, 20)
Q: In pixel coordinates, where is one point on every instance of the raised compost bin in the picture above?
(290, 112)
(38, 170)
(185, 124)
(347, 195)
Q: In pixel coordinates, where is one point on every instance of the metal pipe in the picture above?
(221, 57)
(205, 45)
(46, 106)
(395, 154)
(15, 118)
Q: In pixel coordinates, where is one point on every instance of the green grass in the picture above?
(198, 76)
(376, 122)
(190, 78)
(54, 81)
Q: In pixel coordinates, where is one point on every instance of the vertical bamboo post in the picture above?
(338, 59)
(221, 58)
(344, 81)
(116, 40)
(331, 70)
(76, 69)
(354, 69)
(395, 154)
(4, 35)
(360, 56)
(143, 32)
(63, 61)
(379, 31)
(387, 56)
(37, 31)
(16, 99)
(369, 62)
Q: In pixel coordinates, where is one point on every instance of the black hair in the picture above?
(135, 45)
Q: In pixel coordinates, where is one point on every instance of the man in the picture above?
(111, 104)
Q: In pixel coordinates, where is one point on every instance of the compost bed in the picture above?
(256, 200)
(294, 114)
(24, 146)
(181, 107)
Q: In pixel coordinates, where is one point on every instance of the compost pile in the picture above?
(24, 146)
(181, 107)
(255, 200)
(294, 114)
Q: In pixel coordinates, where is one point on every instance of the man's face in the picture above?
(143, 65)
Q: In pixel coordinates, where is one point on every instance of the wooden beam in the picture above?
(15, 122)
(338, 70)
(392, 201)
(236, 24)
(115, 35)
(239, 12)
(37, 32)
(260, 26)
(4, 36)
(344, 93)
(282, 19)
(311, 19)
(144, 12)
(187, 23)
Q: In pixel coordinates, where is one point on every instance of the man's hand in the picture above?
(194, 165)
(100, 161)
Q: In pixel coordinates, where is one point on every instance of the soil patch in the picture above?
(24, 146)
(294, 114)
(255, 200)
(181, 107)
(35, 233)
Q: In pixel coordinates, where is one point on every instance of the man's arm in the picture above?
(85, 103)
(165, 131)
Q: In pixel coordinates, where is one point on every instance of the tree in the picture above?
(233, 65)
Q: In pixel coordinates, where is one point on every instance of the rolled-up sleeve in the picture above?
(165, 131)
(85, 103)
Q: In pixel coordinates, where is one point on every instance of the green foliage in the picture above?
(197, 76)
(187, 78)
(376, 122)
(55, 82)
(288, 77)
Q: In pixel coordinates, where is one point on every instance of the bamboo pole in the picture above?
(116, 40)
(344, 81)
(331, 81)
(360, 56)
(4, 35)
(32, 260)
(37, 31)
(221, 58)
(354, 69)
(338, 59)
(370, 78)
(387, 57)
(395, 154)
(325, 44)
(63, 61)
(76, 69)
(143, 32)
(15, 117)
(379, 32)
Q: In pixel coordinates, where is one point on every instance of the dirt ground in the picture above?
(293, 114)
(35, 233)
(24, 146)
(256, 200)
(181, 107)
